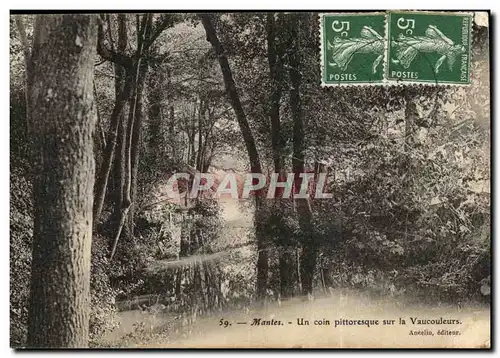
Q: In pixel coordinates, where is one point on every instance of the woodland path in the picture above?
(168, 331)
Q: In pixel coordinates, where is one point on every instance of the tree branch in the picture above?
(168, 21)
(111, 55)
(232, 93)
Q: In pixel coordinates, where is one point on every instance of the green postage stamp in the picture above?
(429, 47)
(396, 47)
(353, 47)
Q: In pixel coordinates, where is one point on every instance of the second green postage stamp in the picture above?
(353, 48)
(430, 48)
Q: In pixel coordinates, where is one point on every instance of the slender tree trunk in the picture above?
(411, 115)
(209, 142)
(191, 137)
(103, 176)
(117, 185)
(100, 135)
(121, 78)
(169, 116)
(199, 154)
(156, 115)
(309, 249)
(255, 167)
(135, 143)
(134, 130)
(125, 230)
(119, 170)
(171, 133)
(124, 84)
(274, 55)
(63, 122)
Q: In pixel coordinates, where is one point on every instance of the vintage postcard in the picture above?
(250, 180)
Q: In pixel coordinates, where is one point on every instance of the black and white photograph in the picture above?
(250, 179)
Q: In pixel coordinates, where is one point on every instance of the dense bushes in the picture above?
(102, 301)
(421, 215)
(21, 237)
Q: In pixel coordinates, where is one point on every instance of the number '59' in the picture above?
(223, 322)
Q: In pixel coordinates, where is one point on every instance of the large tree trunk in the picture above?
(63, 122)
(309, 249)
(255, 167)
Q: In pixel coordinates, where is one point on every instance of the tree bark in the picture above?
(233, 95)
(28, 69)
(117, 185)
(156, 117)
(275, 72)
(118, 182)
(255, 167)
(63, 123)
(135, 143)
(309, 249)
(143, 38)
(274, 55)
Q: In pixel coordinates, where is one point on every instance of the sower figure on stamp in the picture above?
(434, 41)
(343, 50)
